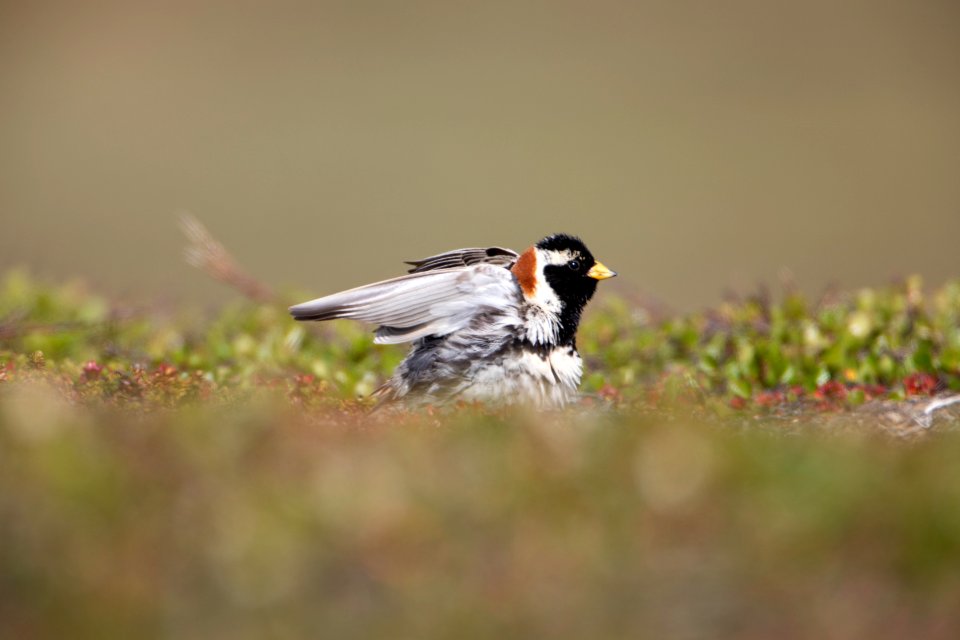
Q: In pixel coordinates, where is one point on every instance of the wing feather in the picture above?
(433, 302)
(363, 303)
(498, 256)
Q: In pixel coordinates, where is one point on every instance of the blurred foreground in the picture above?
(728, 477)
(252, 523)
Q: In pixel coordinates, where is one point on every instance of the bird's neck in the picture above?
(549, 325)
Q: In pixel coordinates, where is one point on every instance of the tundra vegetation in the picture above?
(771, 467)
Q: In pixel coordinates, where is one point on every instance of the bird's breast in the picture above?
(526, 374)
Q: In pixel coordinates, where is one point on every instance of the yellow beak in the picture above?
(600, 272)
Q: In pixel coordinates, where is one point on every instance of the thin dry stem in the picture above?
(207, 254)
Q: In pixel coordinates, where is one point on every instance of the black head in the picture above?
(572, 272)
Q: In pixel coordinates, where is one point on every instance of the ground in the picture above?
(768, 468)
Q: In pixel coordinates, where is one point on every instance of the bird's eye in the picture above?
(574, 265)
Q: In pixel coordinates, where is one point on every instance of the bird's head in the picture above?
(560, 275)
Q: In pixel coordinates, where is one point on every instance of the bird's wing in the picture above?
(464, 258)
(434, 302)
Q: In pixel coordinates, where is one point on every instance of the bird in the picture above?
(488, 325)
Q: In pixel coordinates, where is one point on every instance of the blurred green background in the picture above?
(695, 146)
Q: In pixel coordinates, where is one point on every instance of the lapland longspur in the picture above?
(487, 325)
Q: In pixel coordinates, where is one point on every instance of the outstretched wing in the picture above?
(434, 302)
(464, 258)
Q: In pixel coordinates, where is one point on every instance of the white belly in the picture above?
(527, 377)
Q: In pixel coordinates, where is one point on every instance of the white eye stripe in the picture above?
(558, 258)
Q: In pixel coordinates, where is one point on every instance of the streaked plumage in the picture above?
(486, 324)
